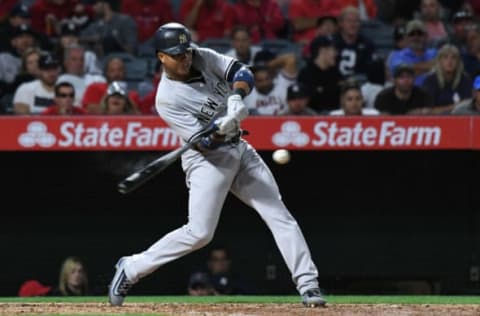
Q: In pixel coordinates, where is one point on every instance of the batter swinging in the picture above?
(195, 91)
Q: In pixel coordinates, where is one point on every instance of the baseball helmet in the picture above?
(172, 39)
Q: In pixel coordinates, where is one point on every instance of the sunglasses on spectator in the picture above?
(66, 95)
(416, 33)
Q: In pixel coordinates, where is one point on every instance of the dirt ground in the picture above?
(237, 309)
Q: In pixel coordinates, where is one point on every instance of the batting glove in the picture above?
(227, 125)
(236, 108)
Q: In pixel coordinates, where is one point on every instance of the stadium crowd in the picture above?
(309, 57)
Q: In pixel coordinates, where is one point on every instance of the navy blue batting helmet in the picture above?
(172, 39)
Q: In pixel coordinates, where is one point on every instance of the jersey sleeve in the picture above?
(221, 65)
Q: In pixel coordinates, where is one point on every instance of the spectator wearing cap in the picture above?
(110, 31)
(34, 96)
(321, 77)
(23, 38)
(199, 284)
(117, 102)
(272, 77)
(297, 99)
(114, 70)
(18, 15)
(416, 53)
(305, 14)
(448, 83)
(351, 101)
(399, 42)
(74, 71)
(69, 37)
(207, 18)
(431, 16)
(471, 57)
(326, 26)
(355, 51)
(63, 101)
(403, 97)
(472, 105)
(462, 22)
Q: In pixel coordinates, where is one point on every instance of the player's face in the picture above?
(177, 67)
(352, 102)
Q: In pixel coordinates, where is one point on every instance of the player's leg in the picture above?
(208, 184)
(256, 186)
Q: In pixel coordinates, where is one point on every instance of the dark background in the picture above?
(376, 222)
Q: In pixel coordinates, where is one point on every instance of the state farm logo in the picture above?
(37, 134)
(290, 134)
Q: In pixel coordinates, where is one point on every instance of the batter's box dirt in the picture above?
(237, 309)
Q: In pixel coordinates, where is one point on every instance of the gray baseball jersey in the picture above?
(211, 175)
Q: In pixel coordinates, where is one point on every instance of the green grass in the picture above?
(332, 299)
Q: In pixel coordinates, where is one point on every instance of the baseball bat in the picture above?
(141, 176)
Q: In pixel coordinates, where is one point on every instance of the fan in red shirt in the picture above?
(63, 101)
(207, 18)
(149, 15)
(263, 17)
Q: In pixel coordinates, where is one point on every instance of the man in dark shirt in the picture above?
(321, 76)
(403, 97)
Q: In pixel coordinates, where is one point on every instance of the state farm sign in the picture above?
(388, 133)
(266, 133)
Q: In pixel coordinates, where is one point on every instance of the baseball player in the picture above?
(195, 90)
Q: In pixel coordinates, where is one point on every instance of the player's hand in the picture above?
(227, 125)
(236, 108)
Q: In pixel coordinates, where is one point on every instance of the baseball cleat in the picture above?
(313, 298)
(120, 284)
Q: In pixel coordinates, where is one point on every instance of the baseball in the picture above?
(281, 156)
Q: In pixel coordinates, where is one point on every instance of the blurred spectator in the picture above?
(355, 51)
(63, 102)
(224, 280)
(272, 78)
(207, 18)
(448, 83)
(263, 18)
(430, 15)
(470, 106)
(304, 16)
(47, 15)
(114, 71)
(34, 96)
(148, 15)
(69, 37)
(81, 16)
(416, 54)
(321, 77)
(297, 99)
(117, 102)
(23, 38)
(351, 101)
(110, 31)
(472, 5)
(74, 71)
(199, 284)
(326, 26)
(73, 281)
(462, 22)
(367, 9)
(403, 97)
(471, 57)
(18, 15)
(242, 48)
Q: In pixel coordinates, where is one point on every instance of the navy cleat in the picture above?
(313, 298)
(120, 284)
